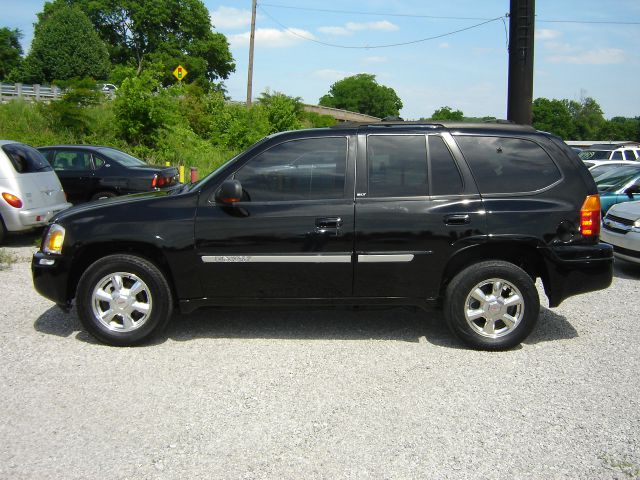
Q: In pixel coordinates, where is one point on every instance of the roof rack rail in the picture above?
(501, 121)
(391, 123)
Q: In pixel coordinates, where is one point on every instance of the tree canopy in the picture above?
(362, 93)
(65, 45)
(10, 50)
(446, 113)
(168, 32)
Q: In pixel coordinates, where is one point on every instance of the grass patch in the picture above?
(6, 259)
(624, 465)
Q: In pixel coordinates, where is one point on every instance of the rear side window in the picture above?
(508, 165)
(25, 159)
(629, 155)
(397, 165)
(617, 155)
(445, 177)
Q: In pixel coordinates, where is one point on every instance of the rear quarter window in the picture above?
(25, 159)
(508, 165)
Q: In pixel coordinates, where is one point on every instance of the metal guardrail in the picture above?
(37, 93)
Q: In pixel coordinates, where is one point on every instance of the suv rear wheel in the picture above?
(124, 300)
(492, 305)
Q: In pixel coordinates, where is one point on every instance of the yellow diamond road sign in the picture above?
(180, 72)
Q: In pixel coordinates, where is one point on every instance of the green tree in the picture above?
(553, 116)
(169, 32)
(70, 112)
(10, 50)
(361, 93)
(587, 118)
(65, 45)
(283, 112)
(142, 109)
(445, 113)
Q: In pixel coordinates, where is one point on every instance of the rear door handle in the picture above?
(458, 219)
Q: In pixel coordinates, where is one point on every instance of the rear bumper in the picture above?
(51, 277)
(572, 270)
(21, 220)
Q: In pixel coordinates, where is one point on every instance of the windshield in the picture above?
(595, 154)
(122, 158)
(617, 178)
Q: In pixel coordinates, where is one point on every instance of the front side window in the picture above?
(617, 155)
(305, 169)
(25, 159)
(397, 165)
(629, 155)
(508, 165)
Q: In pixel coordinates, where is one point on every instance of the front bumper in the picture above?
(51, 277)
(572, 270)
(625, 245)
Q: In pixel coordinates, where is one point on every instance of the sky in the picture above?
(466, 70)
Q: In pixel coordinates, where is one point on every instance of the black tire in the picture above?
(3, 231)
(131, 327)
(485, 319)
(101, 195)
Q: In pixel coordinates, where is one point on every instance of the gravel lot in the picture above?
(293, 394)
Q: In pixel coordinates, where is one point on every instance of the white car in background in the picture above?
(621, 228)
(30, 192)
(598, 167)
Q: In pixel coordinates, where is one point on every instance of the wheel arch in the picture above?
(524, 254)
(89, 253)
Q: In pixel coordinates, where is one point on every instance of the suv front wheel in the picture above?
(492, 305)
(124, 300)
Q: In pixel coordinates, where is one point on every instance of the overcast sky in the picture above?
(465, 70)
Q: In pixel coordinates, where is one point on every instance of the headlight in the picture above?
(54, 240)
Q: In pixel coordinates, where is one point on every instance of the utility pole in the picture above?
(521, 36)
(251, 40)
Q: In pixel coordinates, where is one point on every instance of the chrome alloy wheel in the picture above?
(121, 302)
(494, 308)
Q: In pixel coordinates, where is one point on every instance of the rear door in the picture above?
(415, 207)
(291, 236)
(75, 171)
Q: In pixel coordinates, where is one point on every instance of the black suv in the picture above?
(460, 216)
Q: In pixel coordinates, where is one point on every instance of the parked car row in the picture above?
(35, 184)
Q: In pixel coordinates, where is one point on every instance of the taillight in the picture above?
(12, 200)
(590, 216)
(154, 182)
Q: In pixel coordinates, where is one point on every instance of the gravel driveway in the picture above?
(294, 394)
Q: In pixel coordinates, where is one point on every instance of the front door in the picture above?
(291, 235)
(75, 171)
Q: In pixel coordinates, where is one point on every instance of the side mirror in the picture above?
(230, 192)
(632, 190)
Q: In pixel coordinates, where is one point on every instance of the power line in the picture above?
(367, 47)
(410, 15)
(370, 13)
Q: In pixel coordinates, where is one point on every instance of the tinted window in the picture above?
(25, 159)
(397, 165)
(71, 160)
(508, 165)
(306, 169)
(445, 177)
(616, 155)
(629, 155)
(595, 154)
